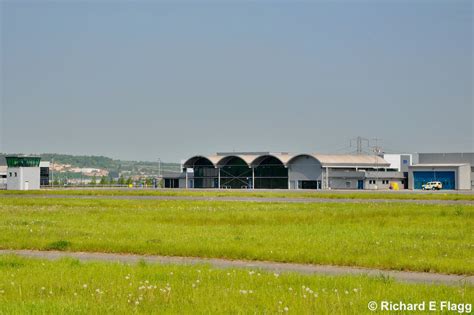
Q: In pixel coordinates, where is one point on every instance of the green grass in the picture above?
(434, 238)
(392, 195)
(30, 286)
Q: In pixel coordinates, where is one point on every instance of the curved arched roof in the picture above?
(295, 156)
(326, 160)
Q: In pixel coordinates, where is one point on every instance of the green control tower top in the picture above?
(23, 161)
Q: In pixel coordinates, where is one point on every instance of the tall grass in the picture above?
(434, 238)
(391, 195)
(29, 286)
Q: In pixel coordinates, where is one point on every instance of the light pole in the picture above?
(52, 171)
(159, 172)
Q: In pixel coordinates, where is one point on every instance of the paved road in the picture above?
(405, 276)
(249, 199)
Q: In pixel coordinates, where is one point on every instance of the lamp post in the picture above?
(159, 172)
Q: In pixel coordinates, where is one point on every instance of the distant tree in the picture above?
(103, 181)
(93, 181)
(111, 181)
(121, 180)
(149, 181)
(129, 181)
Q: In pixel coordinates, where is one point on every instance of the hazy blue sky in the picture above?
(142, 80)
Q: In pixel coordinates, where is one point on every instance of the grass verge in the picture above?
(30, 286)
(433, 238)
(391, 195)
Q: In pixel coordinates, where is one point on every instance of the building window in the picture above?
(16, 175)
(11, 174)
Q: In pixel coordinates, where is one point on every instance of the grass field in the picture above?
(392, 195)
(436, 238)
(71, 287)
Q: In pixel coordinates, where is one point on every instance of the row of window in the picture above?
(11, 174)
(384, 181)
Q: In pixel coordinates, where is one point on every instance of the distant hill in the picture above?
(109, 164)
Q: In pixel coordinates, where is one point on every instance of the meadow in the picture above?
(390, 195)
(69, 286)
(401, 236)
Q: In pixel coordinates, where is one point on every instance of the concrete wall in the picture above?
(26, 178)
(379, 184)
(341, 183)
(464, 177)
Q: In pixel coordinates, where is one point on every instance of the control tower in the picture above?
(23, 172)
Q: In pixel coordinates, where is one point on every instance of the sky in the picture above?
(143, 80)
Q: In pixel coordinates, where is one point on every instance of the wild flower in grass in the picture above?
(199, 271)
(355, 290)
(335, 290)
(127, 277)
(251, 272)
(12, 283)
(280, 302)
(2, 291)
(194, 285)
(276, 275)
(315, 295)
(304, 296)
(228, 273)
(197, 281)
(75, 294)
(84, 285)
(51, 292)
(286, 309)
(346, 292)
(43, 288)
(171, 273)
(137, 302)
(243, 292)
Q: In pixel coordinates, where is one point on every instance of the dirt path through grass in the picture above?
(405, 276)
(247, 199)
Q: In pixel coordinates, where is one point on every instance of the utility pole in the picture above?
(52, 171)
(159, 171)
(377, 151)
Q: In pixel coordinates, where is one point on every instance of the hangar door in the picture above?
(445, 177)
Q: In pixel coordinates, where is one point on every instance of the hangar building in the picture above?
(282, 170)
(454, 170)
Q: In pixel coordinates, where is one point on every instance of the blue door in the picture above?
(447, 178)
(360, 184)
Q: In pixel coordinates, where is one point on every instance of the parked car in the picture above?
(432, 186)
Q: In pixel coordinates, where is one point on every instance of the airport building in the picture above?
(282, 170)
(453, 170)
(23, 172)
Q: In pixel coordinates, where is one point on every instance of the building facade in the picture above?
(23, 172)
(450, 158)
(281, 170)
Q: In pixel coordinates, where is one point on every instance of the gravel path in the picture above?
(405, 276)
(249, 199)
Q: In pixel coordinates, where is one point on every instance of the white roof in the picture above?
(340, 160)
